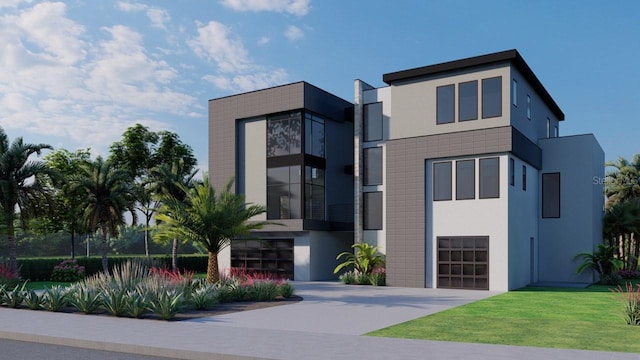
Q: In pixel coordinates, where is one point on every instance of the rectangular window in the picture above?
(314, 135)
(284, 134)
(373, 166)
(528, 107)
(514, 93)
(372, 206)
(492, 97)
(489, 178)
(548, 127)
(314, 203)
(468, 102)
(284, 193)
(373, 122)
(512, 172)
(442, 181)
(555, 131)
(551, 195)
(524, 177)
(465, 179)
(445, 107)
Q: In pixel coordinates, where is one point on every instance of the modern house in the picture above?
(457, 171)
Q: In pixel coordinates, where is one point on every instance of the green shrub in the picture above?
(286, 290)
(33, 300)
(114, 300)
(55, 298)
(67, 271)
(85, 298)
(263, 291)
(204, 297)
(166, 303)
(8, 277)
(363, 262)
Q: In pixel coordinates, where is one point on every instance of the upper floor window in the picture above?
(314, 143)
(551, 195)
(465, 179)
(372, 211)
(284, 198)
(373, 122)
(524, 177)
(468, 102)
(528, 107)
(489, 178)
(372, 166)
(492, 97)
(445, 104)
(514, 93)
(314, 203)
(548, 127)
(284, 134)
(442, 181)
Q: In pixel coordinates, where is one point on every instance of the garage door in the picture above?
(273, 256)
(463, 262)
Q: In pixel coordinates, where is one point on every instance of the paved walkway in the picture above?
(326, 325)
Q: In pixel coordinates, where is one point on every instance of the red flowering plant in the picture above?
(68, 271)
(8, 277)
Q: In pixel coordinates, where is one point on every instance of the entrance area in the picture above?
(463, 262)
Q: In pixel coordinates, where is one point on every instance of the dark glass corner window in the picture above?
(314, 135)
(314, 199)
(445, 104)
(284, 134)
(492, 97)
(468, 102)
(284, 192)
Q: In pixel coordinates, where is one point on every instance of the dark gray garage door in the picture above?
(463, 262)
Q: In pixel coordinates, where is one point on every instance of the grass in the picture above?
(587, 319)
(42, 285)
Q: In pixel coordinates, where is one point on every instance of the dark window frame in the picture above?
(366, 223)
(366, 170)
(460, 102)
(473, 180)
(485, 196)
(512, 172)
(453, 105)
(485, 102)
(524, 177)
(367, 124)
(514, 92)
(528, 107)
(556, 210)
(450, 194)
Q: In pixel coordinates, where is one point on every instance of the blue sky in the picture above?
(78, 73)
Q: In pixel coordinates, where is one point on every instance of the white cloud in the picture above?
(12, 3)
(294, 7)
(264, 40)
(248, 82)
(294, 33)
(215, 42)
(158, 17)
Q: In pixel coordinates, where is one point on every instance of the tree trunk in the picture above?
(103, 249)
(174, 255)
(73, 244)
(146, 236)
(213, 274)
(13, 252)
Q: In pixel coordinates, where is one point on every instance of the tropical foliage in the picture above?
(365, 264)
(603, 262)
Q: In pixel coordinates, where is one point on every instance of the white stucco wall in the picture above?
(314, 254)
(479, 217)
(252, 154)
(414, 104)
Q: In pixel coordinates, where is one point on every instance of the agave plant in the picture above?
(13, 298)
(204, 297)
(136, 303)
(114, 300)
(55, 298)
(166, 303)
(33, 300)
(85, 298)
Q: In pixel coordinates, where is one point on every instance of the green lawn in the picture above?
(589, 319)
(41, 285)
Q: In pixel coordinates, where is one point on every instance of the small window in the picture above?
(445, 106)
(373, 122)
(465, 179)
(492, 97)
(514, 93)
(524, 177)
(373, 166)
(548, 127)
(512, 170)
(551, 195)
(442, 181)
(555, 131)
(468, 102)
(372, 214)
(528, 107)
(489, 178)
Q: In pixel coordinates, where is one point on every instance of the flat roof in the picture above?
(510, 56)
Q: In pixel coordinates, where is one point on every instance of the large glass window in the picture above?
(551, 195)
(445, 107)
(492, 97)
(442, 181)
(373, 166)
(284, 193)
(314, 135)
(372, 214)
(489, 178)
(468, 103)
(314, 203)
(465, 179)
(373, 121)
(284, 134)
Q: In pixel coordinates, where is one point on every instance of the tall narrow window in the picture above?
(373, 122)
(314, 143)
(555, 131)
(528, 107)
(373, 166)
(445, 107)
(492, 97)
(284, 195)
(514, 93)
(442, 181)
(551, 195)
(468, 102)
(524, 177)
(465, 179)
(512, 170)
(489, 178)
(372, 206)
(548, 127)
(314, 203)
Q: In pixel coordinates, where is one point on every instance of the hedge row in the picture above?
(39, 269)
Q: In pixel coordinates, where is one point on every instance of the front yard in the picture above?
(588, 319)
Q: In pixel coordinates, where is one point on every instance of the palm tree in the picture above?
(210, 219)
(623, 182)
(167, 181)
(20, 186)
(109, 194)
